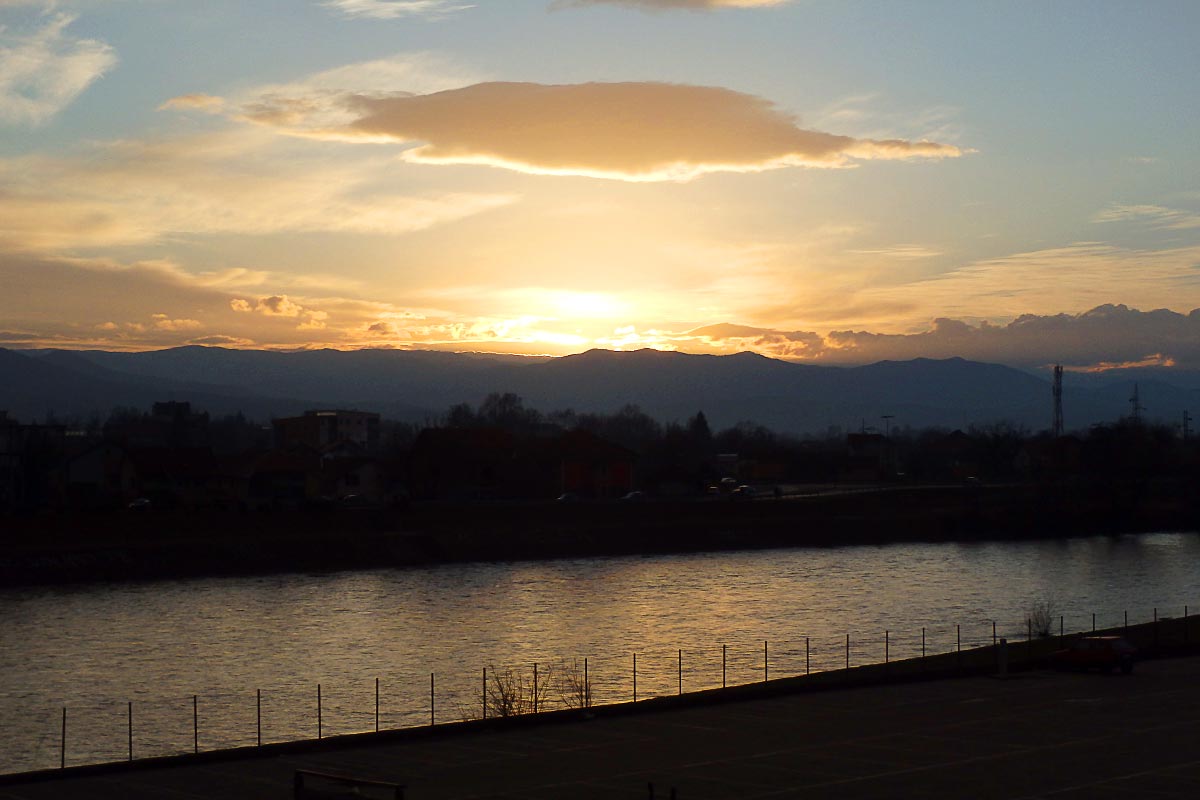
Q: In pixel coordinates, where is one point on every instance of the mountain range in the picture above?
(418, 386)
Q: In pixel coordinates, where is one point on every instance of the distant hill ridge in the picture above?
(417, 385)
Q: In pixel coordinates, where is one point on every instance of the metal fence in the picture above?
(150, 726)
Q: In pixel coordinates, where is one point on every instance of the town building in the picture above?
(318, 430)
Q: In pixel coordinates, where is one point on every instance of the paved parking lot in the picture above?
(1037, 734)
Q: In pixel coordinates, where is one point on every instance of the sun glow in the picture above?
(589, 305)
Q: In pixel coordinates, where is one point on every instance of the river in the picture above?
(222, 643)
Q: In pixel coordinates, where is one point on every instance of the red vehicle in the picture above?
(1105, 653)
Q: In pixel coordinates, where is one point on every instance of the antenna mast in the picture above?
(1135, 404)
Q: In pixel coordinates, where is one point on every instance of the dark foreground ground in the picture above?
(1035, 734)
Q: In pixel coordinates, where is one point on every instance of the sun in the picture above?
(588, 305)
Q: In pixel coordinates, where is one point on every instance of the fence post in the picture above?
(807, 663)
(535, 687)
(1185, 624)
(62, 756)
(377, 705)
(765, 661)
(432, 706)
(258, 715)
(681, 671)
(958, 646)
(635, 677)
(1029, 638)
(319, 731)
(587, 685)
(722, 666)
(887, 647)
(1093, 622)
(847, 651)
(993, 633)
(131, 730)
(1126, 619)
(1060, 628)
(922, 648)
(483, 696)
(195, 724)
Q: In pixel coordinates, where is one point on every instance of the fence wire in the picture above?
(147, 726)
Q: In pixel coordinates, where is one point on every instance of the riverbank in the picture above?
(878, 730)
(135, 546)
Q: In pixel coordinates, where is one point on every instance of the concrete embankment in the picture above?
(159, 544)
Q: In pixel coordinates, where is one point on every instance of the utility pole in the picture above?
(887, 424)
(1135, 404)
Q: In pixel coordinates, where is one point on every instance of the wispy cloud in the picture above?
(42, 71)
(317, 105)
(134, 192)
(873, 115)
(1154, 216)
(1072, 278)
(675, 5)
(394, 9)
(903, 252)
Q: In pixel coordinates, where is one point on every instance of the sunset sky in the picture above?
(833, 182)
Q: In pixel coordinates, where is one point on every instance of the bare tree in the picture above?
(573, 685)
(542, 687)
(1041, 617)
(518, 691)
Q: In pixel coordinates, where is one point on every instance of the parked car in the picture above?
(1104, 653)
(743, 492)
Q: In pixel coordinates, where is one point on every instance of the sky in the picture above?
(827, 182)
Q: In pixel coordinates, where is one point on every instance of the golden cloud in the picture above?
(280, 305)
(630, 131)
(194, 102)
(1152, 360)
(1104, 338)
(222, 340)
(164, 323)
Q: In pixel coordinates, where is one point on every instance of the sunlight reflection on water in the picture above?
(93, 648)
